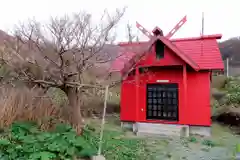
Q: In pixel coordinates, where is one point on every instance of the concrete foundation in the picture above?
(163, 130)
(127, 125)
(200, 130)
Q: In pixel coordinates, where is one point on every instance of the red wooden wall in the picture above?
(128, 100)
(197, 109)
(199, 95)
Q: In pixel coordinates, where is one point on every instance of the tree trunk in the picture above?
(75, 108)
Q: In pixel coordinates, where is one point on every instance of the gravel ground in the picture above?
(221, 146)
(176, 150)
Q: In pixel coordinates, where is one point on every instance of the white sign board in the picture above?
(162, 81)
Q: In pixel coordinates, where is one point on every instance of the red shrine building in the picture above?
(166, 82)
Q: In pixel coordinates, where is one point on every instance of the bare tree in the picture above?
(59, 53)
(130, 34)
(137, 39)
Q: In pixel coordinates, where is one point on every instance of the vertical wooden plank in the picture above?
(103, 120)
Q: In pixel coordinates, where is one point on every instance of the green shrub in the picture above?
(192, 139)
(232, 87)
(117, 147)
(231, 98)
(58, 96)
(216, 107)
(26, 141)
(209, 143)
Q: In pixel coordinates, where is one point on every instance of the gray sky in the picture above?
(221, 16)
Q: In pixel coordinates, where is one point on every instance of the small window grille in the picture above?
(162, 101)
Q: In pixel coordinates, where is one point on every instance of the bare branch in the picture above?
(130, 35)
(62, 49)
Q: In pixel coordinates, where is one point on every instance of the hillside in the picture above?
(229, 48)
(107, 55)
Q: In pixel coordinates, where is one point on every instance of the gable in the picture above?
(169, 59)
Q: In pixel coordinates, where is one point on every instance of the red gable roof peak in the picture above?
(177, 51)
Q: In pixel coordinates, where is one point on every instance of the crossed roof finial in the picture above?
(158, 32)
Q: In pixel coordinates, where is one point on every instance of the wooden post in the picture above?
(227, 67)
(103, 120)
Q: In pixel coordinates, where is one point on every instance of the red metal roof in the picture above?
(201, 53)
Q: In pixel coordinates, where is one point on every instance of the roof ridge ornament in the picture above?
(158, 31)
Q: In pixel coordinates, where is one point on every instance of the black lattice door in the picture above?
(162, 101)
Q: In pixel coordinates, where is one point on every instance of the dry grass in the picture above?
(218, 81)
(23, 104)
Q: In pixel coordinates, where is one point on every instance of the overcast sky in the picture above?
(221, 16)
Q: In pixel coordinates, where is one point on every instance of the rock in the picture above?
(98, 157)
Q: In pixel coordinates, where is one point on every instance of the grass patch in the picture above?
(26, 141)
(165, 148)
(118, 144)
